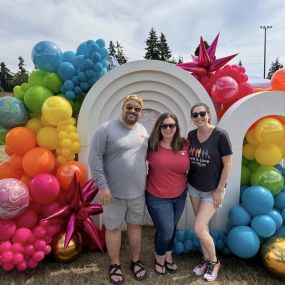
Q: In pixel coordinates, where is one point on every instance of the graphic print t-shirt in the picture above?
(206, 159)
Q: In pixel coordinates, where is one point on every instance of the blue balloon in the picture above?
(69, 95)
(98, 67)
(46, 56)
(90, 42)
(68, 56)
(104, 53)
(68, 85)
(215, 234)
(239, 216)
(188, 245)
(279, 201)
(77, 61)
(263, 225)
(257, 200)
(96, 56)
(75, 80)
(189, 234)
(243, 242)
(82, 49)
(277, 218)
(77, 90)
(280, 232)
(220, 244)
(226, 251)
(90, 73)
(66, 70)
(100, 43)
(94, 48)
(84, 86)
(178, 247)
(180, 235)
(87, 64)
(82, 76)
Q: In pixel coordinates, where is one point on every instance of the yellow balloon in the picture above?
(268, 154)
(269, 130)
(34, 124)
(250, 137)
(248, 151)
(45, 123)
(56, 109)
(282, 147)
(47, 137)
(75, 147)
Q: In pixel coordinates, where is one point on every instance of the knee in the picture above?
(199, 230)
(114, 230)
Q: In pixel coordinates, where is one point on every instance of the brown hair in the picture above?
(156, 136)
(200, 104)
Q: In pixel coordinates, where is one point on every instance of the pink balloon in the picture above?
(7, 229)
(14, 198)
(47, 210)
(39, 244)
(47, 249)
(39, 232)
(5, 246)
(29, 250)
(32, 264)
(18, 258)
(22, 235)
(44, 188)
(8, 266)
(27, 220)
(38, 256)
(17, 247)
(225, 90)
(22, 266)
(7, 256)
(48, 239)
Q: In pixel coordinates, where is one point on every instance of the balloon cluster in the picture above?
(186, 241)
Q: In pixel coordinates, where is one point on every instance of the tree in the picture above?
(239, 63)
(275, 65)
(152, 46)
(22, 75)
(120, 56)
(6, 78)
(164, 50)
(112, 50)
(197, 49)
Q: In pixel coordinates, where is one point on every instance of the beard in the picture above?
(130, 118)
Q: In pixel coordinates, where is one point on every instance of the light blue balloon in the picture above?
(82, 49)
(178, 247)
(243, 242)
(263, 225)
(280, 232)
(279, 201)
(96, 57)
(239, 216)
(104, 53)
(46, 56)
(100, 43)
(87, 64)
(66, 70)
(89, 43)
(90, 73)
(68, 56)
(98, 67)
(277, 217)
(180, 235)
(257, 200)
(77, 61)
(94, 48)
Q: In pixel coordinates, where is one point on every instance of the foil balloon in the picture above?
(14, 198)
(273, 256)
(78, 211)
(69, 253)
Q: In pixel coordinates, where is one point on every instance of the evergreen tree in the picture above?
(6, 78)
(164, 50)
(197, 49)
(112, 50)
(22, 75)
(152, 46)
(239, 63)
(120, 56)
(275, 65)
(180, 59)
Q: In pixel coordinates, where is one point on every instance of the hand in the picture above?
(105, 196)
(218, 198)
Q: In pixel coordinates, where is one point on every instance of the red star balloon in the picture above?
(206, 62)
(79, 210)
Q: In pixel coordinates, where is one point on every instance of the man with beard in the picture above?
(117, 162)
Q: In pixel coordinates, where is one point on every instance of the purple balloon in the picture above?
(14, 198)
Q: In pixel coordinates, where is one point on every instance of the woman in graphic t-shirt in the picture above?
(211, 158)
(166, 186)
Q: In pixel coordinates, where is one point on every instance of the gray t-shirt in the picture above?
(117, 159)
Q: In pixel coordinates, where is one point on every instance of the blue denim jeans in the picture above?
(165, 214)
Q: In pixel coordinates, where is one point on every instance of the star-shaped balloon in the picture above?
(79, 210)
(206, 61)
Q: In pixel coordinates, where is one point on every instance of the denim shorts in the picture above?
(203, 196)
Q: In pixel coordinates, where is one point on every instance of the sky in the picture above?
(67, 23)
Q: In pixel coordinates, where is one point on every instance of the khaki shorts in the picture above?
(119, 210)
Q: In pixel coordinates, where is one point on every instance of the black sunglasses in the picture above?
(170, 126)
(202, 114)
(130, 107)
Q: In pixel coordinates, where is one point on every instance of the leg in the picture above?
(135, 238)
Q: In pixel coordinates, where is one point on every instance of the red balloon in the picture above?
(224, 90)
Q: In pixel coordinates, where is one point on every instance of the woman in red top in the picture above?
(166, 186)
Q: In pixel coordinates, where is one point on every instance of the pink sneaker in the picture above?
(200, 269)
(212, 270)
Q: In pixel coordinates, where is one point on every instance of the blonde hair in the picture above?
(134, 97)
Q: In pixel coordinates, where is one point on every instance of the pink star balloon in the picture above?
(79, 210)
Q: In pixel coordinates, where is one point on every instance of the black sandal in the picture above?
(168, 268)
(162, 266)
(114, 272)
(141, 268)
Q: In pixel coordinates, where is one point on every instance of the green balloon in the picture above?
(3, 133)
(53, 82)
(18, 92)
(268, 177)
(252, 165)
(245, 176)
(77, 105)
(244, 161)
(35, 97)
(37, 77)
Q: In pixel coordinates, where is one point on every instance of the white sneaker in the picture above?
(212, 270)
(200, 269)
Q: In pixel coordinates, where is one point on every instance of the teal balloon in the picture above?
(245, 176)
(277, 217)
(178, 247)
(13, 112)
(268, 177)
(263, 225)
(239, 216)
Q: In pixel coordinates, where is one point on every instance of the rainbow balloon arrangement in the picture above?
(225, 84)
(41, 140)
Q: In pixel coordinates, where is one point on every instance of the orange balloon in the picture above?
(278, 80)
(8, 151)
(20, 139)
(15, 162)
(38, 160)
(26, 179)
(66, 170)
(7, 172)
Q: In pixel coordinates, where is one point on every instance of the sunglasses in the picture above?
(202, 114)
(170, 126)
(130, 107)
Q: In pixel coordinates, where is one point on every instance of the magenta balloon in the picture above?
(14, 198)
(22, 235)
(38, 256)
(27, 220)
(7, 229)
(7, 256)
(44, 188)
(224, 90)
(18, 258)
(22, 266)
